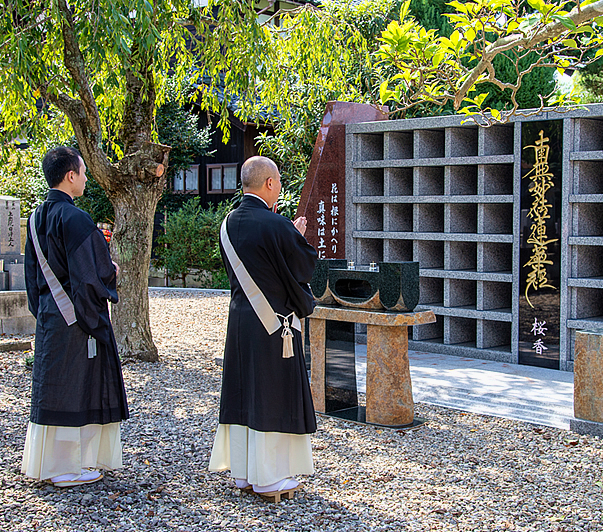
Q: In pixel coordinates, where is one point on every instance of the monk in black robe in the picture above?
(266, 410)
(78, 398)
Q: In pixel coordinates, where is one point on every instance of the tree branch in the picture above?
(518, 40)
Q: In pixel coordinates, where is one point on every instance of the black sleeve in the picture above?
(93, 283)
(301, 261)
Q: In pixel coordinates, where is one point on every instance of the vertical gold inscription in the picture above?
(542, 180)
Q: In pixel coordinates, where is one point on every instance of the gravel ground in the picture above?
(457, 472)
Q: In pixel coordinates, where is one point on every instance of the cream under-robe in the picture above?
(52, 451)
(261, 458)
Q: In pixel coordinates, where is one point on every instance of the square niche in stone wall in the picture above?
(587, 261)
(463, 217)
(400, 250)
(370, 146)
(400, 217)
(496, 140)
(429, 218)
(400, 181)
(400, 144)
(459, 331)
(370, 250)
(463, 180)
(589, 134)
(429, 254)
(429, 181)
(369, 217)
(370, 181)
(496, 257)
(428, 143)
(461, 141)
(497, 179)
(498, 218)
(587, 177)
(431, 290)
(462, 256)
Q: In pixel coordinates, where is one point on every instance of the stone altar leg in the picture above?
(588, 383)
(318, 350)
(388, 386)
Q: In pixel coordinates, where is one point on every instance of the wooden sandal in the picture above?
(278, 495)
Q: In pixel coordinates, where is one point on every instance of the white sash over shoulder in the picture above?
(270, 319)
(61, 298)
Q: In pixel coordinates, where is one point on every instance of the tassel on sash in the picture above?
(287, 336)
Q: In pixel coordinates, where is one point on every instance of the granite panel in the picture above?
(588, 376)
(399, 145)
(388, 385)
(317, 349)
(582, 426)
(340, 367)
(18, 325)
(370, 317)
(10, 226)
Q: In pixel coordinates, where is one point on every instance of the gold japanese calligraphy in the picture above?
(542, 181)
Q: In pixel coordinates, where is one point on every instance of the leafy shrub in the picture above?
(190, 240)
(22, 178)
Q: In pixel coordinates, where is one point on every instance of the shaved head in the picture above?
(256, 170)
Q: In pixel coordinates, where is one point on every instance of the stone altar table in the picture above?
(389, 399)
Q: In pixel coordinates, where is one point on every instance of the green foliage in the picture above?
(178, 127)
(22, 177)
(190, 241)
(96, 203)
(590, 82)
(304, 76)
(496, 45)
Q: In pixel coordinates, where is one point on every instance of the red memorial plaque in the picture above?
(322, 199)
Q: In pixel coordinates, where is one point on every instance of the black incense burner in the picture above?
(386, 285)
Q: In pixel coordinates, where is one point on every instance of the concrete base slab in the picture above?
(583, 426)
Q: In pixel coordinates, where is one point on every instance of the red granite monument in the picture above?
(323, 196)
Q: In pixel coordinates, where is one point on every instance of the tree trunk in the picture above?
(131, 246)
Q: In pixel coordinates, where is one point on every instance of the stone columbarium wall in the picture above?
(449, 195)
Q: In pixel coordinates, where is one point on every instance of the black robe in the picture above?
(68, 388)
(261, 389)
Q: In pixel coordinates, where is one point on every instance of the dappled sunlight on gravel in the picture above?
(458, 472)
